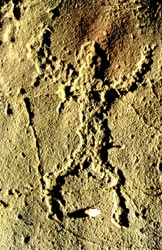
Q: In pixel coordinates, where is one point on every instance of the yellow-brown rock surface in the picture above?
(80, 124)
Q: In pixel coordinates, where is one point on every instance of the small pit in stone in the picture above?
(12, 39)
(23, 154)
(9, 110)
(10, 192)
(20, 217)
(160, 166)
(22, 91)
(26, 239)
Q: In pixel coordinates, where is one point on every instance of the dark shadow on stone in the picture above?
(22, 91)
(16, 12)
(3, 2)
(16, 2)
(71, 69)
(124, 218)
(121, 177)
(110, 97)
(28, 107)
(38, 80)
(56, 196)
(47, 38)
(106, 144)
(77, 214)
(9, 110)
(125, 211)
(75, 171)
(86, 163)
(56, 11)
(100, 69)
(26, 239)
(133, 87)
(160, 166)
(56, 209)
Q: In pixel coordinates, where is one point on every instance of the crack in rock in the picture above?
(31, 123)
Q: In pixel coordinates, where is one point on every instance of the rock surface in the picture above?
(80, 109)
